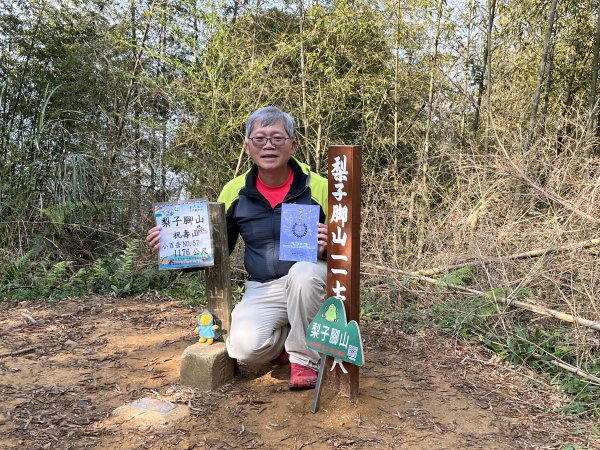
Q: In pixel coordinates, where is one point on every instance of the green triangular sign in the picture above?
(330, 334)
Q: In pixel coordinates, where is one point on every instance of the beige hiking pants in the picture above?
(276, 314)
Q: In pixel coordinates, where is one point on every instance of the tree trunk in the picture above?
(593, 120)
(303, 81)
(120, 124)
(488, 77)
(566, 128)
(423, 161)
(487, 58)
(547, 91)
(14, 105)
(463, 119)
(541, 75)
(396, 75)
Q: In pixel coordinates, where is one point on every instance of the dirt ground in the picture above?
(75, 361)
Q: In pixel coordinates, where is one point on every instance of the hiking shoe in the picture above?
(282, 359)
(302, 377)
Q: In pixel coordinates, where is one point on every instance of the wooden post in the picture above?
(218, 277)
(343, 248)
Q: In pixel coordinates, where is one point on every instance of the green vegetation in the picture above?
(30, 278)
(531, 347)
(477, 320)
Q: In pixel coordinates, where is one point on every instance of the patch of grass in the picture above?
(189, 288)
(587, 434)
(389, 308)
(467, 319)
(584, 397)
(237, 292)
(373, 308)
(458, 277)
(475, 320)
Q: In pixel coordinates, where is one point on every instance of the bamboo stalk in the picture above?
(508, 302)
(570, 368)
(528, 254)
(541, 75)
(18, 352)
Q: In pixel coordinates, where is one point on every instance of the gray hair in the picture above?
(270, 115)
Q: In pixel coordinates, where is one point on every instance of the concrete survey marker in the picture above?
(154, 405)
(205, 367)
(150, 412)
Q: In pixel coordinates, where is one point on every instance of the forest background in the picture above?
(478, 122)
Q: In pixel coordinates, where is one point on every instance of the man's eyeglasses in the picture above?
(261, 141)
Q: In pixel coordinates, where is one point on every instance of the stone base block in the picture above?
(206, 367)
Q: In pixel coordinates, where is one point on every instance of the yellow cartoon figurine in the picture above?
(206, 327)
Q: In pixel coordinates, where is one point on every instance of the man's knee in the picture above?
(247, 344)
(243, 344)
(308, 274)
(240, 350)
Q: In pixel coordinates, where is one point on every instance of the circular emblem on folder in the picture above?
(299, 229)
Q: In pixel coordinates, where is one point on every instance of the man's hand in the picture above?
(153, 238)
(322, 241)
